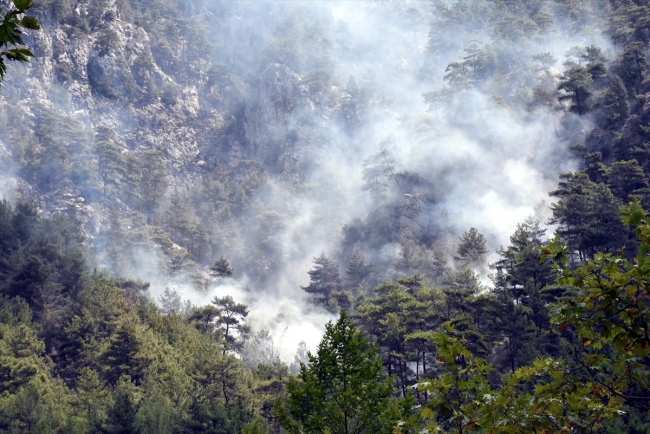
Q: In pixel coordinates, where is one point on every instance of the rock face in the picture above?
(108, 78)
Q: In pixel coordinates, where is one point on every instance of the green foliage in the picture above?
(11, 34)
(471, 249)
(575, 83)
(419, 259)
(625, 177)
(84, 353)
(153, 183)
(389, 318)
(378, 169)
(458, 399)
(231, 321)
(324, 279)
(87, 353)
(588, 215)
(605, 368)
(221, 268)
(358, 270)
(616, 101)
(520, 263)
(342, 388)
(609, 312)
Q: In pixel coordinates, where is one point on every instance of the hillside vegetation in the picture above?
(457, 189)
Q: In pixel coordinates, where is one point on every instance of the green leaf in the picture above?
(23, 5)
(30, 23)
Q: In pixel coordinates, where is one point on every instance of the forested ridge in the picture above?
(192, 187)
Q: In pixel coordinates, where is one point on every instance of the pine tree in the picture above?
(471, 249)
(617, 106)
(632, 66)
(205, 319)
(520, 261)
(411, 283)
(111, 163)
(545, 61)
(231, 320)
(625, 177)
(153, 183)
(513, 323)
(124, 356)
(122, 417)
(132, 179)
(323, 278)
(416, 258)
(377, 170)
(576, 84)
(342, 388)
(92, 397)
(171, 302)
(357, 270)
(587, 215)
(221, 268)
(301, 357)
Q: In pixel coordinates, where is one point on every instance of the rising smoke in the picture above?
(480, 162)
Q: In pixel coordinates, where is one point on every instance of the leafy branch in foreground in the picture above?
(11, 35)
(605, 322)
(546, 396)
(610, 313)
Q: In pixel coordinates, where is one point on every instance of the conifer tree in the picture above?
(520, 261)
(576, 83)
(625, 177)
(471, 249)
(301, 357)
(632, 66)
(92, 397)
(377, 170)
(357, 268)
(411, 283)
(221, 268)
(124, 356)
(153, 183)
(587, 214)
(205, 319)
(111, 163)
(132, 179)
(545, 61)
(171, 302)
(617, 106)
(122, 417)
(231, 320)
(323, 278)
(342, 389)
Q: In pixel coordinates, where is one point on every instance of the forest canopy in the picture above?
(441, 204)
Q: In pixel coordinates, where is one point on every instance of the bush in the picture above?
(170, 93)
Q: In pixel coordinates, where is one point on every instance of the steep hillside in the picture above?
(179, 132)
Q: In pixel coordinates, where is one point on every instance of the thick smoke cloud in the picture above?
(494, 165)
(486, 164)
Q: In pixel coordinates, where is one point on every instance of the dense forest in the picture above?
(324, 217)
